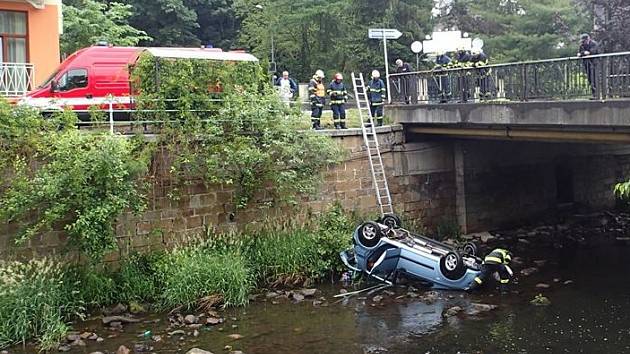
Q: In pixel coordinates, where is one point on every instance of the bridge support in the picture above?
(460, 187)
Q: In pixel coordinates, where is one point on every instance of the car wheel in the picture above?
(369, 234)
(452, 266)
(470, 248)
(392, 221)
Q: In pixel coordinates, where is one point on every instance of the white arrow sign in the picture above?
(384, 33)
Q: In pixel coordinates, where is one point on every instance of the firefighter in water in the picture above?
(317, 94)
(496, 262)
(338, 97)
(376, 93)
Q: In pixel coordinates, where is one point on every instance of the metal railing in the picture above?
(599, 77)
(16, 79)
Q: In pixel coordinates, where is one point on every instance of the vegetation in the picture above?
(332, 35)
(87, 22)
(37, 299)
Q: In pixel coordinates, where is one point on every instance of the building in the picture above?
(29, 43)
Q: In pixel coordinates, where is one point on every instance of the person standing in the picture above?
(317, 92)
(462, 62)
(589, 47)
(479, 60)
(405, 81)
(338, 97)
(443, 62)
(287, 87)
(376, 93)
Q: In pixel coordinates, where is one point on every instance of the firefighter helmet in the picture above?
(338, 76)
(375, 74)
(320, 74)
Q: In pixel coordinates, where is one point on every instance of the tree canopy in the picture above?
(332, 35)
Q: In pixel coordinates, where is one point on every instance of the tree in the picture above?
(88, 21)
(516, 30)
(612, 19)
(330, 35)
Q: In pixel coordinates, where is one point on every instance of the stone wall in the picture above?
(417, 191)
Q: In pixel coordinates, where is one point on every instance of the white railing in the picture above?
(16, 79)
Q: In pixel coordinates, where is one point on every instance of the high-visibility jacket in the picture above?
(337, 92)
(317, 91)
(498, 256)
(376, 92)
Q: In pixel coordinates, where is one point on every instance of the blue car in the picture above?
(383, 250)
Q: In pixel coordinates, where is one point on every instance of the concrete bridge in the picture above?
(524, 141)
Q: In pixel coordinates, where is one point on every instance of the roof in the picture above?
(199, 53)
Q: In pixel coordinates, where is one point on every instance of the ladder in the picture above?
(383, 197)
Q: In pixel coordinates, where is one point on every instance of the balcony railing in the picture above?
(16, 79)
(605, 76)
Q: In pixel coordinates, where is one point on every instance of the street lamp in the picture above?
(273, 51)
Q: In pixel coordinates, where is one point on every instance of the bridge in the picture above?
(522, 140)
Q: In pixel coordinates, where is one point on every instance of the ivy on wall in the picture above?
(220, 122)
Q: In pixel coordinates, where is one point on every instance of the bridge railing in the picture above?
(602, 76)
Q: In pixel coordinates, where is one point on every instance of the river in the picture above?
(586, 278)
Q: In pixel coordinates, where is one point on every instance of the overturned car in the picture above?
(383, 250)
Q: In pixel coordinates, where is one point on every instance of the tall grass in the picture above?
(36, 300)
(188, 274)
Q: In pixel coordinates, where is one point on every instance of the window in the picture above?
(13, 34)
(74, 78)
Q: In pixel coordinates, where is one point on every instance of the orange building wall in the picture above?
(43, 37)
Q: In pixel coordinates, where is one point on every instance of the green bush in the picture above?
(85, 182)
(97, 285)
(36, 300)
(189, 274)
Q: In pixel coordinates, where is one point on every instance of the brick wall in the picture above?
(169, 221)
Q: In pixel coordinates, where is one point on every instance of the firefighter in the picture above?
(377, 93)
(495, 262)
(442, 62)
(338, 98)
(479, 60)
(317, 94)
(404, 81)
(462, 61)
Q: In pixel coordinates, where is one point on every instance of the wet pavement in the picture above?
(582, 268)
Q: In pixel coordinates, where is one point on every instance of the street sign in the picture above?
(384, 33)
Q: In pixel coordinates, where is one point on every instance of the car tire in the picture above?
(369, 234)
(452, 266)
(470, 248)
(392, 221)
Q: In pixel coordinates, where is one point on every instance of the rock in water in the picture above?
(118, 309)
(123, 350)
(123, 319)
(308, 292)
(542, 286)
(198, 351)
(190, 319)
(476, 308)
(235, 336)
(453, 311)
(529, 271)
(377, 298)
(540, 300)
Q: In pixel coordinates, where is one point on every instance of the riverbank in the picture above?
(39, 297)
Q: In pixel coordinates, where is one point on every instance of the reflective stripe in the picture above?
(376, 103)
(505, 281)
(493, 259)
(337, 102)
(478, 280)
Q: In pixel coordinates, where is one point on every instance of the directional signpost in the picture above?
(385, 34)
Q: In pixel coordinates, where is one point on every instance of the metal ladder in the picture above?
(383, 197)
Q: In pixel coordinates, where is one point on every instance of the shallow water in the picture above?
(589, 315)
